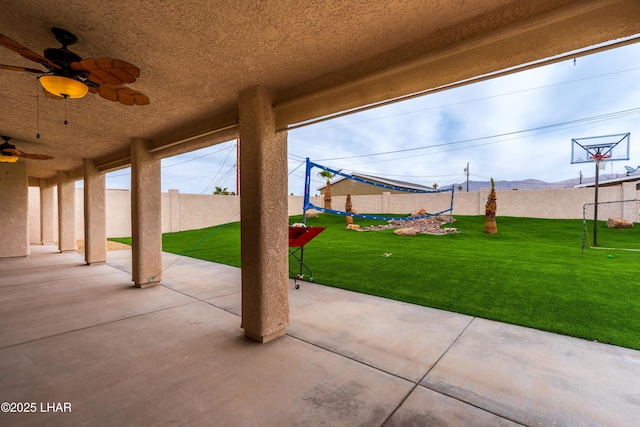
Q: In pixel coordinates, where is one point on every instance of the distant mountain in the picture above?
(530, 184)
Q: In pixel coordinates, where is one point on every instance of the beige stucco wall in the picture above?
(407, 203)
(205, 210)
(550, 203)
(554, 204)
(118, 213)
(166, 213)
(192, 211)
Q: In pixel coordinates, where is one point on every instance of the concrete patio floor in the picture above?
(175, 355)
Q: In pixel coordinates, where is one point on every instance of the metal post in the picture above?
(307, 187)
(584, 225)
(595, 207)
(467, 171)
(451, 209)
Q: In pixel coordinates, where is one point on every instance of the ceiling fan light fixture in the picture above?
(64, 86)
(8, 159)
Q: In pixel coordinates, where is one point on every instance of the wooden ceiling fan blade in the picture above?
(108, 70)
(22, 69)
(126, 99)
(96, 79)
(24, 155)
(37, 156)
(26, 53)
(141, 99)
(13, 151)
(123, 95)
(108, 92)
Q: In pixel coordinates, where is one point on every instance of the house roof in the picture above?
(611, 182)
(393, 182)
(385, 181)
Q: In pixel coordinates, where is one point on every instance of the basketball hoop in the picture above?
(599, 150)
(599, 157)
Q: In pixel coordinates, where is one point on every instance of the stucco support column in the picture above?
(14, 208)
(264, 220)
(47, 230)
(66, 213)
(146, 216)
(95, 218)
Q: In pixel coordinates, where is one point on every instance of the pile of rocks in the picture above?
(619, 223)
(414, 227)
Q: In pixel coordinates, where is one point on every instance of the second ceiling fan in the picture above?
(10, 154)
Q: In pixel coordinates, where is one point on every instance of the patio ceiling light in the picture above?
(8, 159)
(64, 86)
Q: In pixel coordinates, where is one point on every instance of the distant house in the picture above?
(343, 186)
(604, 183)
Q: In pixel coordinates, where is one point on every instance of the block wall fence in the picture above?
(182, 212)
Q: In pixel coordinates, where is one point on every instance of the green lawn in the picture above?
(532, 273)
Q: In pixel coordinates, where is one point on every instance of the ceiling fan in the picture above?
(67, 75)
(9, 153)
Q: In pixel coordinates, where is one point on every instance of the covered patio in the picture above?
(216, 71)
(173, 354)
(125, 341)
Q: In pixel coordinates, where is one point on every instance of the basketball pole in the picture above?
(595, 208)
(604, 150)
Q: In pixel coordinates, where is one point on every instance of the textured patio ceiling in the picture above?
(319, 58)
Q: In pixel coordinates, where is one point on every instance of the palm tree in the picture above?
(223, 191)
(327, 191)
(348, 207)
(490, 225)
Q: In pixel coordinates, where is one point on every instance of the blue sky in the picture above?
(536, 112)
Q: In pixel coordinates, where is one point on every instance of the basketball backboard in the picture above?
(600, 148)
